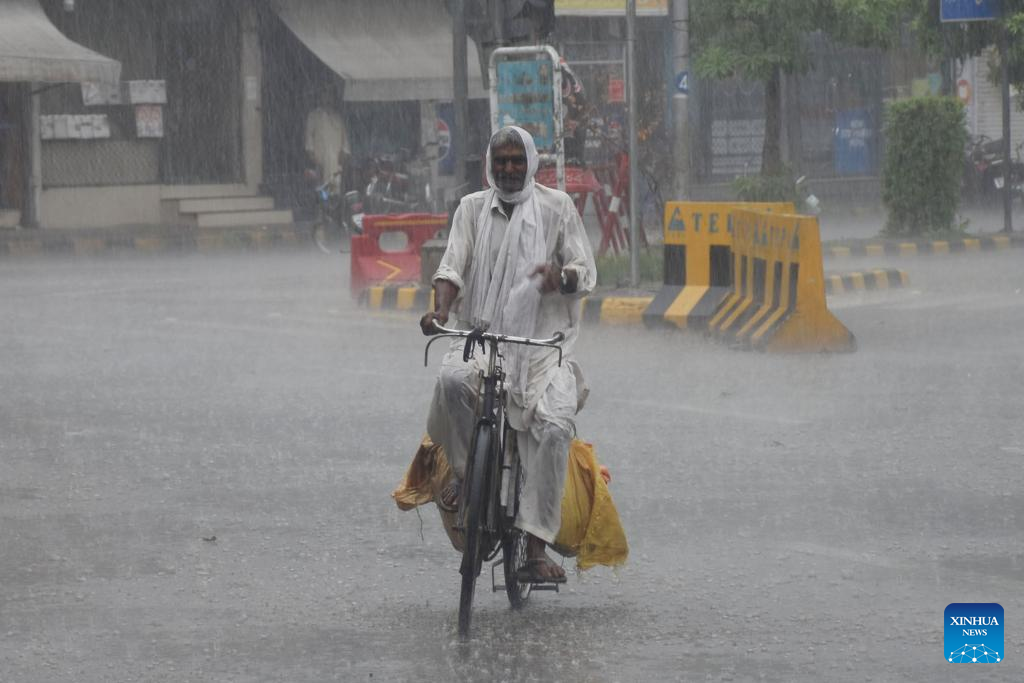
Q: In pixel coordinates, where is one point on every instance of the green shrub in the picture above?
(613, 269)
(924, 158)
(765, 188)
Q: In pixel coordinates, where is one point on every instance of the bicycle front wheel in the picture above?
(475, 497)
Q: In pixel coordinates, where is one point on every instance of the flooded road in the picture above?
(198, 451)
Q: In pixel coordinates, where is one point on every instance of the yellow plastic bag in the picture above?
(591, 531)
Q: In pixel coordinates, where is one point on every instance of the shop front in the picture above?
(34, 56)
(385, 68)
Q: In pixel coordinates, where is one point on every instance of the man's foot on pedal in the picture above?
(540, 570)
(449, 499)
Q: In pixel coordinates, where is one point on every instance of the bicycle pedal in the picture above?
(545, 586)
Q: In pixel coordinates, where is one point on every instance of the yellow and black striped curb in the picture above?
(868, 279)
(919, 247)
(618, 310)
(610, 310)
(93, 243)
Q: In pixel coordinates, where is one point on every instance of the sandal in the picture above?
(529, 573)
(451, 492)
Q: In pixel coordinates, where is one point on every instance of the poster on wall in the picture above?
(526, 98)
(149, 121)
(853, 134)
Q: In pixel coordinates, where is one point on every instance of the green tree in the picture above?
(759, 40)
(968, 39)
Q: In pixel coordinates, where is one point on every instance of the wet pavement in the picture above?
(197, 452)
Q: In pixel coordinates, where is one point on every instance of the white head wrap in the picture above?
(504, 298)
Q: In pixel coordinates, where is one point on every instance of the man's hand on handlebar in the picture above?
(444, 294)
(428, 320)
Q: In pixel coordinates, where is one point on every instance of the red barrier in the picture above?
(611, 198)
(373, 265)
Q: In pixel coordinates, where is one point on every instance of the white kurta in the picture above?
(546, 425)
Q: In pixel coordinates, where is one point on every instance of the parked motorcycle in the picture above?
(983, 172)
(395, 187)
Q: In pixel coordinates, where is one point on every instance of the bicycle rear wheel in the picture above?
(513, 542)
(475, 492)
(513, 550)
(328, 235)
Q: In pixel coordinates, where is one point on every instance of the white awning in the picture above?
(32, 49)
(386, 50)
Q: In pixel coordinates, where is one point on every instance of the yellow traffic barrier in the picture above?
(698, 261)
(777, 298)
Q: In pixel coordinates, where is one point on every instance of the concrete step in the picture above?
(218, 204)
(9, 218)
(203, 191)
(224, 219)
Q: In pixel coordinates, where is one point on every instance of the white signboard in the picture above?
(74, 126)
(147, 92)
(96, 94)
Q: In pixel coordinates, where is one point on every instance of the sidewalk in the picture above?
(153, 239)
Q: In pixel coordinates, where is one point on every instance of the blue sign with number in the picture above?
(969, 10)
(683, 82)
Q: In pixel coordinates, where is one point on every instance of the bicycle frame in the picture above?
(489, 498)
(492, 415)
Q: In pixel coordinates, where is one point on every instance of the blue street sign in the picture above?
(683, 82)
(969, 10)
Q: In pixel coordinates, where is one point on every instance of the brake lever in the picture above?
(471, 340)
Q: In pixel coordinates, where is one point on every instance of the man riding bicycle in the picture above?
(518, 261)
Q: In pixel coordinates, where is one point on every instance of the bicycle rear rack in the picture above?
(498, 587)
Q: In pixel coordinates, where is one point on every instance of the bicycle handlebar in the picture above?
(473, 335)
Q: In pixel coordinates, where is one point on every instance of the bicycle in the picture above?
(489, 495)
(336, 217)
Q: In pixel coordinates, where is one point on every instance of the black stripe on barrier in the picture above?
(776, 284)
(422, 298)
(739, 288)
(758, 289)
(706, 308)
(389, 298)
(957, 246)
(592, 309)
(654, 314)
(721, 265)
(675, 264)
(987, 244)
(794, 278)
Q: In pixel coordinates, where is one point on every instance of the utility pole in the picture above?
(460, 89)
(680, 98)
(634, 228)
(1004, 69)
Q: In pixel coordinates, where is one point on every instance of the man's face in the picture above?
(508, 166)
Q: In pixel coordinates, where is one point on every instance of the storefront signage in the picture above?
(610, 7)
(969, 10)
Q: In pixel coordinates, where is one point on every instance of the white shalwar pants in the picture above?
(543, 444)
